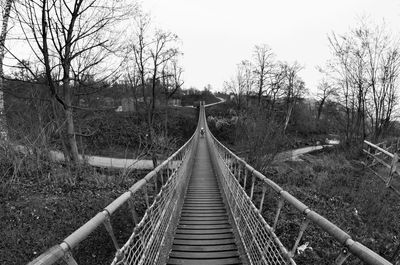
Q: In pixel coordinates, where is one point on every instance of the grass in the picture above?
(42, 202)
(344, 192)
(37, 212)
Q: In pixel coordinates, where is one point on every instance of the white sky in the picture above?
(218, 34)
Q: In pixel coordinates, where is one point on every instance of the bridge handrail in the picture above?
(357, 249)
(63, 250)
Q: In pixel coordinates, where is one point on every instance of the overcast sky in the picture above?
(218, 34)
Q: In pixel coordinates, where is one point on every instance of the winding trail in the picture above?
(108, 162)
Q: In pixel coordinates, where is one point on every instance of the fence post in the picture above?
(393, 168)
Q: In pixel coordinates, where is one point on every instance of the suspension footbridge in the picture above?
(204, 206)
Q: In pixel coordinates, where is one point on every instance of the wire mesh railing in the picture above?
(239, 182)
(163, 190)
(148, 243)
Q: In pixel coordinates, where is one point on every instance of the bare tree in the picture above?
(6, 8)
(366, 65)
(151, 50)
(294, 89)
(66, 36)
(325, 90)
(140, 47)
(245, 69)
(171, 83)
(133, 78)
(383, 57)
(162, 51)
(277, 84)
(263, 67)
(239, 85)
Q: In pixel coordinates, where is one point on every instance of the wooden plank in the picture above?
(205, 195)
(204, 231)
(211, 188)
(226, 261)
(204, 248)
(199, 202)
(220, 226)
(204, 255)
(204, 218)
(204, 236)
(203, 222)
(192, 210)
(204, 208)
(204, 205)
(209, 242)
(204, 214)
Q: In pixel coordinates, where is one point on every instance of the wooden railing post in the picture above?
(393, 168)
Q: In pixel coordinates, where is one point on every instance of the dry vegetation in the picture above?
(332, 182)
(349, 195)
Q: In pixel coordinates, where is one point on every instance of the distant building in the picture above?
(174, 102)
(108, 102)
(128, 105)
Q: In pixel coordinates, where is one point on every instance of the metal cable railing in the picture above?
(163, 190)
(239, 181)
(150, 241)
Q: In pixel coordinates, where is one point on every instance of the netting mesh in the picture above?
(256, 236)
(148, 240)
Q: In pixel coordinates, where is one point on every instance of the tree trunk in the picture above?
(166, 118)
(69, 118)
(54, 106)
(288, 114)
(4, 28)
(70, 131)
(260, 91)
(319, 111)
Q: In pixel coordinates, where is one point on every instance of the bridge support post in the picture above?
(303, 228)
(245, 180)
(133, 210)
(108, 226)
(343, 255)
(69, 259)
(253, 180)
(146, 197)
(239, 173)
(281, 202)
(264, 190)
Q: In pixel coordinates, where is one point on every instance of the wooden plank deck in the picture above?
(204, 235)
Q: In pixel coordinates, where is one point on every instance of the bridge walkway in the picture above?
(204, 235)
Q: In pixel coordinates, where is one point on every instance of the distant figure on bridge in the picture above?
(202, 131)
